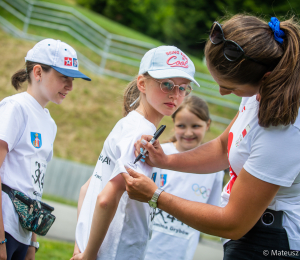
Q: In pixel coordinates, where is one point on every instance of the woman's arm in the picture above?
(207, 158)
(3, 152)
(249, 198)
(105, 209)
(82, 194)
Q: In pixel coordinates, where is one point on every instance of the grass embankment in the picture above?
(54, 250)
(105, 23)
(87, 115)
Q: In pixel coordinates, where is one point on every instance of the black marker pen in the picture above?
(154, 138)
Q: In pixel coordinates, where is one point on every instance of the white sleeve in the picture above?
(215, 193)
(274, 155)
(125, 156)
(12, 123)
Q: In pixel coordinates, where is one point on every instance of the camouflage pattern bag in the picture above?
(34, 215)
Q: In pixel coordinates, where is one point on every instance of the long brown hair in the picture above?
(131, 94)
(195, 105)
(22, 75)
(280, 91)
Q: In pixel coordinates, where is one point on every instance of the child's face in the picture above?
(164, 103)
(55, 86)
(189, 130)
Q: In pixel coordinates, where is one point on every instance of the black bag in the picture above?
(34, 215)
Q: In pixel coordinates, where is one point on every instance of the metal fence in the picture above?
(64, 178)
(107, 46)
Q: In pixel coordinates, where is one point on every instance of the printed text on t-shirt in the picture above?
(104, 159)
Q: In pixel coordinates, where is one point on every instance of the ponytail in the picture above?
(132, 96)
(22, 75)
(18, 78)
(280, 91)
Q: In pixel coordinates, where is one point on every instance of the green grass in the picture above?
(105, 23)
(89, 112)
(60, 200)
(54, 250)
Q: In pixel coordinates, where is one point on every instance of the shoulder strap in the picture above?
(5, 188)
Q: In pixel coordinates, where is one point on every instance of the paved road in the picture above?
(65, 224)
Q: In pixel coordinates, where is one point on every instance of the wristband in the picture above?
(4, 241)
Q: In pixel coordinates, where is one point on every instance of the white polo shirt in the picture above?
(29, 131)
(127, 234)
(272, 155)
(172, 239)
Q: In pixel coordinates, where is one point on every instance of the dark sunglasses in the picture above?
(231, 50)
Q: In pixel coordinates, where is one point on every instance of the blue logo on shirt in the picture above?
(36, 139)
(163, 180)
(153, 178)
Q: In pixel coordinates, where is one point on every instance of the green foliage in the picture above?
(185, 23)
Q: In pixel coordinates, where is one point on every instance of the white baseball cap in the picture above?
(168, 62)
(58, 55)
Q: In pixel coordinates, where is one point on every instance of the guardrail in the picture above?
(106, 46)
(64, 178)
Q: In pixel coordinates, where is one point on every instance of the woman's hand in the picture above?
(3, 255)
(76, 249)
(30, 255)
(156, 156)
(138, 186)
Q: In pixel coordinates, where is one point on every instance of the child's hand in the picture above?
(30, 255)
(155, 156)
(3, 255)
(79, 256)
(76, 249)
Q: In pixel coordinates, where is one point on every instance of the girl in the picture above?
(27, 133)
(260, 211)
(110, 225)
(171, 239)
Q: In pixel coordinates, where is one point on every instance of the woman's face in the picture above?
(189, 130)
(227, 87)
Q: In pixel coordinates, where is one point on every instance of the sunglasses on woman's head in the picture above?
(167, 86)
(231, 50)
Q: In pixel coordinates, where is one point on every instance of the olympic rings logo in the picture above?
(201, 191)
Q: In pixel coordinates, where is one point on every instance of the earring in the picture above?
(39, 80)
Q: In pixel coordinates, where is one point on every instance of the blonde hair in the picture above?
(131, 94)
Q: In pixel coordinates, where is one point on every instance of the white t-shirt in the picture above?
(127, 234)
(29, 131)
(272, 155)
(172, 239)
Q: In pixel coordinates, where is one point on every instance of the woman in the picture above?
(260, 211)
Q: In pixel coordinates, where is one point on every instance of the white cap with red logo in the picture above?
(168, 62)
(59, 55)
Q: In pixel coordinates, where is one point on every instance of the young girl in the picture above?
(110, 225)
(27, 133)
(171, 239)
